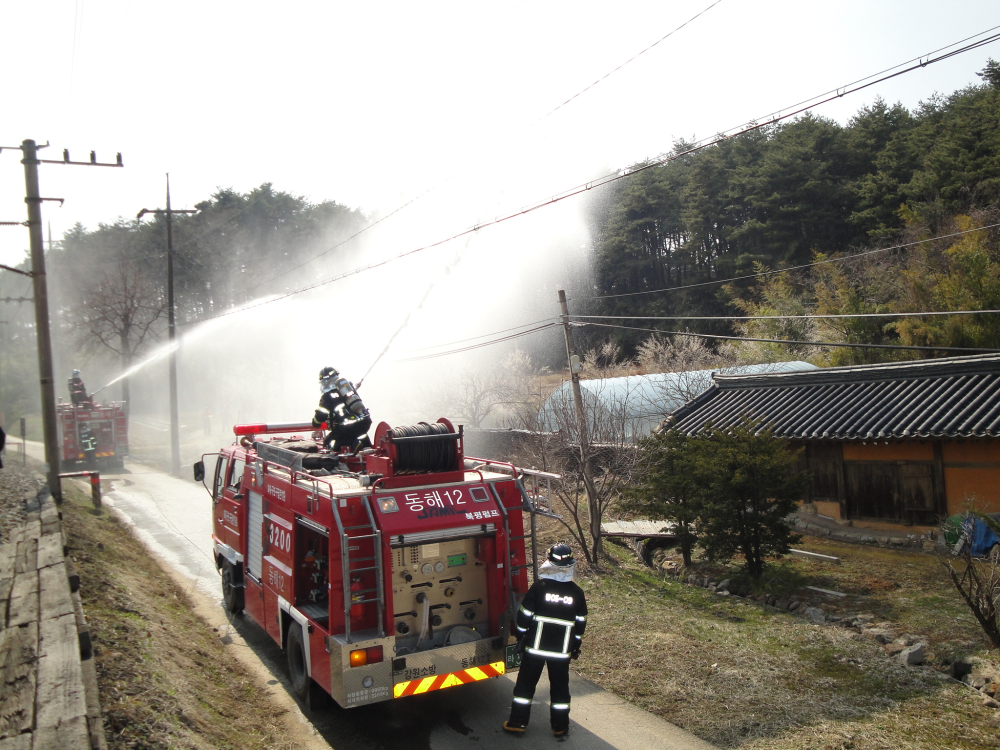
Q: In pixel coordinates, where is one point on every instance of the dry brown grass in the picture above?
(166, 680)
(741, 675)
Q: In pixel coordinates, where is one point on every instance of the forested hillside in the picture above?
(810, 190)
(107, 291)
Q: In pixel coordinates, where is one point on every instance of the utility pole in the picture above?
(33, 199)
(42, 335)
(4, 369)
(175, 429)
(581, 419)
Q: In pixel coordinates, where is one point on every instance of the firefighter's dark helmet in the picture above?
(328, 372)
(560, 554)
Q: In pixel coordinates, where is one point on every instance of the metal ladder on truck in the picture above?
(526, 507)
(369, 531)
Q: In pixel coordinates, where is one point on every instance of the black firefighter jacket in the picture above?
(552, 618)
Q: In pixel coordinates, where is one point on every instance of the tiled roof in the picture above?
(954, 397)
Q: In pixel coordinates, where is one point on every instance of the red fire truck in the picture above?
(384, 573)
(106, 423)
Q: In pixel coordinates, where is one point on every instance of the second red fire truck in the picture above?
(383, 574)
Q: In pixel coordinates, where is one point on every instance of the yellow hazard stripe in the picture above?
(450, 679)
(425, 685)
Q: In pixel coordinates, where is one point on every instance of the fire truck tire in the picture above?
(296, 651)
(232, 593)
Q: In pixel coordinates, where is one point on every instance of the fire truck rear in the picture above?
(107, 425)
(383, 574)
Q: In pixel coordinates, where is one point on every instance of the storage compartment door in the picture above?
(255, 537)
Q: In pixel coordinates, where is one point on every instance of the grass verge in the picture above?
(166, 680)
(741, 675)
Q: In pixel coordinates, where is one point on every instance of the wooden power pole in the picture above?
(33, 199)
(43, 338)
(593, 506)
(175, 431)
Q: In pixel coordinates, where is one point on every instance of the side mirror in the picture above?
(199, 471)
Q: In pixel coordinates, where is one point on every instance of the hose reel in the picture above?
(422, 448)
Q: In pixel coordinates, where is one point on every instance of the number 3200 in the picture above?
(279, 537)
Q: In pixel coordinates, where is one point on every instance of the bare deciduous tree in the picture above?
(606, 361)
(506, 392)
(611, 453)
(978, 579)
(120, 312)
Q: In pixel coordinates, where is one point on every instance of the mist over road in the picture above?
(173, 518)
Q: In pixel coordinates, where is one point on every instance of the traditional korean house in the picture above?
(904, 443)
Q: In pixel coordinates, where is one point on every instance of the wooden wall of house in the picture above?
(972, 474)
(897, 481)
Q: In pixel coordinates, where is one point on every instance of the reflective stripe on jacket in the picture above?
(552, 619)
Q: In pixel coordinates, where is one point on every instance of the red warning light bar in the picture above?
(273, 429)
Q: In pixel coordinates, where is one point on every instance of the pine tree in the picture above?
(669, 490)
(749, 487)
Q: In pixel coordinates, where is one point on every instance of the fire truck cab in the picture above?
(383, 574)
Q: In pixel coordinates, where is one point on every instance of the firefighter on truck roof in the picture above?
(341, 408)
(549, 628)
(78, 391)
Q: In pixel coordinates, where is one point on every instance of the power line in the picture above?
(631, 59)
(967, 350)
(482, 336)
(15, 270)
(450, 177)
(476, 346)
(887, 70)
(793, 268)
(614, 177)
(784, 317)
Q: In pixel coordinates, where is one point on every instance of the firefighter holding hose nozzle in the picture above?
(549, 628)
(341, 408)
(78, 391)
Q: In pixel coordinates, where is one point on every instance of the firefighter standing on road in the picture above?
(88, 444)
(550, 625)
(341, 408)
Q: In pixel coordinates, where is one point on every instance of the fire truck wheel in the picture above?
(296, 652)
(232, 594)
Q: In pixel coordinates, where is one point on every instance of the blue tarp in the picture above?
(983, 537)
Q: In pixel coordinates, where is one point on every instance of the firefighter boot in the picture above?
(512, 728)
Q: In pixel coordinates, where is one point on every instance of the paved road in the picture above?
(172, 516)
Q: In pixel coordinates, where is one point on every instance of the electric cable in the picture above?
(967, 350)
(481, 336)
(881, 72)
(452, 176)
(608, 179)
(783, 317)
(794, 268)
(476, 346)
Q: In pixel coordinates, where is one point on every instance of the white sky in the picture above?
(370, 103)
